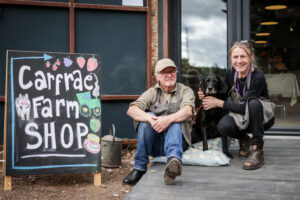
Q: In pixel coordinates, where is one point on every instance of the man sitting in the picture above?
(164, 125)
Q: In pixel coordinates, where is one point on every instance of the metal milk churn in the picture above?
(111, 149)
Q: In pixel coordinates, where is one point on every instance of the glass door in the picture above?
(204, 40)
(275, 32)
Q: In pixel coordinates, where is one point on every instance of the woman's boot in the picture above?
(245, 142)
(255, 159)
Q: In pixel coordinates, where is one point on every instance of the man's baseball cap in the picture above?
(164, 63)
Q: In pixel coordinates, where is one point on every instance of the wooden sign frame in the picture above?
(54, 125)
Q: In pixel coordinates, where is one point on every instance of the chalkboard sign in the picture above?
(53, 113)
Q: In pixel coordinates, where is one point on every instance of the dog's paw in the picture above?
(229, 155)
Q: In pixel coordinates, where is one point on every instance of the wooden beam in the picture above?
(130, 141)
(72, 26)
(149, 45)
(119, 97)
(111, 7)
(166, 51)
(7, 183)
(97, 179)
(35, 3)
(103, 97)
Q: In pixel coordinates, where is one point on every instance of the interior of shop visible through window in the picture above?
(275, 33)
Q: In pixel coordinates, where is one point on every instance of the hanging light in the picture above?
(263, 34)
(260, 42)
(275, 7)
(269, 23)
(292, 26)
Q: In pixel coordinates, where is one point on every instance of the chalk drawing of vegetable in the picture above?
(68, 62)
(92, 64)
(80, 61)
(95, 125)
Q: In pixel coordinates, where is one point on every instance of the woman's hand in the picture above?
(210, 102)
(201, 94)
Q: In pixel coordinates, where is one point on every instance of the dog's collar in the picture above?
(197, 113)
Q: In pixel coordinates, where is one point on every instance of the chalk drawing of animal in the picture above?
(23, 106)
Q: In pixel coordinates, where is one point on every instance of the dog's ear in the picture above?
(224, 87)
(202, 84)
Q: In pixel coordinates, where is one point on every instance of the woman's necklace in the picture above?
(245, 84)
(242, 81)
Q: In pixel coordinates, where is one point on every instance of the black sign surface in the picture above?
(53, 113)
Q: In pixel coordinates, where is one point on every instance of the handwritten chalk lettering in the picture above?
(57, 84)
(72, 105)
(46, 107)
(62, 136)
(90, 146)
(59, 103)
(88, 78)
(82, 130)
(44, 81)
(50, 78)
(33, 133)
(40, 83)
(21, 80)
(66, 135)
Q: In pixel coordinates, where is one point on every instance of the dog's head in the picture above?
(212, 85)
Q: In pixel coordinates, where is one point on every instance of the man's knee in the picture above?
(144, 125)
(176, 126)
(145, 131)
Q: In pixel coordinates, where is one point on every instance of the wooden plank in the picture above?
(97, 179)
(72, 26)
(130, 141)
(35, 3)
(166, 51)
(111, 7)
(5, 118)
(279, 178)
(103, 97)
(7, 183)
(119, 97)
(149, 45)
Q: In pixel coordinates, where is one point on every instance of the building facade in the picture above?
(130, 36)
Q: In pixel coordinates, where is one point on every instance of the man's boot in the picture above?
(133, 177)
(173, 169)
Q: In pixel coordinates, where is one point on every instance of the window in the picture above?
(204, 40)
(276, 36)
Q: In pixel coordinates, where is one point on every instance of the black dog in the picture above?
(205, 122)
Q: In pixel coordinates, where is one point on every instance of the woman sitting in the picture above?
(249, 112)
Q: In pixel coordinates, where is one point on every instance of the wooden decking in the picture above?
(278, 179)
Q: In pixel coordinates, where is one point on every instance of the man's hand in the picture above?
(161, 123)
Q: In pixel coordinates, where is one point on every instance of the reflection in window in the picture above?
(204, 40)
(276, 37)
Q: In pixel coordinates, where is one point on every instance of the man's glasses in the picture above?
(172, 73)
